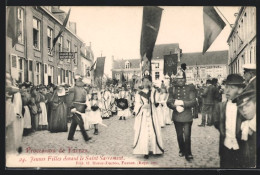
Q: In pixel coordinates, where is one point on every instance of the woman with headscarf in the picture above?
(40, 98)
(58, 118)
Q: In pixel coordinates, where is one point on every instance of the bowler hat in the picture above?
(244, 97)
(235, 79)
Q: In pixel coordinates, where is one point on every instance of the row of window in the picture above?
(248, 57)
(37, 36)
(22, 70)
(246, 26)
(128, 65)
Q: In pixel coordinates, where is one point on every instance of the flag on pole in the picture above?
(123, 78)
(150, 29)
(92, 67)
(13, 24)
(62, 29)
(213, 25)
(99, 71)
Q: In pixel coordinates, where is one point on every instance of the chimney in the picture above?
(73, 27)
(90, 45)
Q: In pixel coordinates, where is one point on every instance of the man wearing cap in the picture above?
(79, 105)
(227, 119)
(246, 103)
(181, 100)
(250, 76)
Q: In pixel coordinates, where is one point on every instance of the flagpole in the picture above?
(228, 23)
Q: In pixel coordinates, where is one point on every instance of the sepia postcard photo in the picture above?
(130, 87)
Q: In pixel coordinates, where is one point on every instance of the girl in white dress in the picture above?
(94, 111)
(123, 100)
(147, 137)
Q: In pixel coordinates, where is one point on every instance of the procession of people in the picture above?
(153, 106)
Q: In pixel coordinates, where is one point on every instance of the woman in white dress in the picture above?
(147, 137)
(164, 108)
(159, 106)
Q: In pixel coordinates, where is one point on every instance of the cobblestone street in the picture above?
(117, 138)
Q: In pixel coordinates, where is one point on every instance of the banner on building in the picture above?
(170, 64)
(99, 71)
(213, 25)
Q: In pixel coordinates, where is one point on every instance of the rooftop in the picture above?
(120, 64)
(213, 57)
(164, 49)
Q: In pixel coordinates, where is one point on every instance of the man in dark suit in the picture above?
(181, 100)
(208, 103)
(250, 76)
(246, 103)
(227, 119)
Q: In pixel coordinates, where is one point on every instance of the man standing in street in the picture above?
(250, 76)
(181, 100)
(228, 119)
(79, 105)
(208, 103)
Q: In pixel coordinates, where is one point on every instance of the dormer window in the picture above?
(127, 65)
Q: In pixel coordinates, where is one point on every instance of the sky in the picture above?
(116, 31)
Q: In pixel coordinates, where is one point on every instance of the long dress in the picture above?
(158, 108)
(113, 103)
(164, 109)
(58, 118)
(124, 112)
(26, 97)
(106, 99)
(19, 120)
(43, 121)
(10, 118)
(147, 136)
(48, 105)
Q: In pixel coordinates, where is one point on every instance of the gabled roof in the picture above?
(213, 57)
(56, 10)
(120, 64)
(164, 49)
